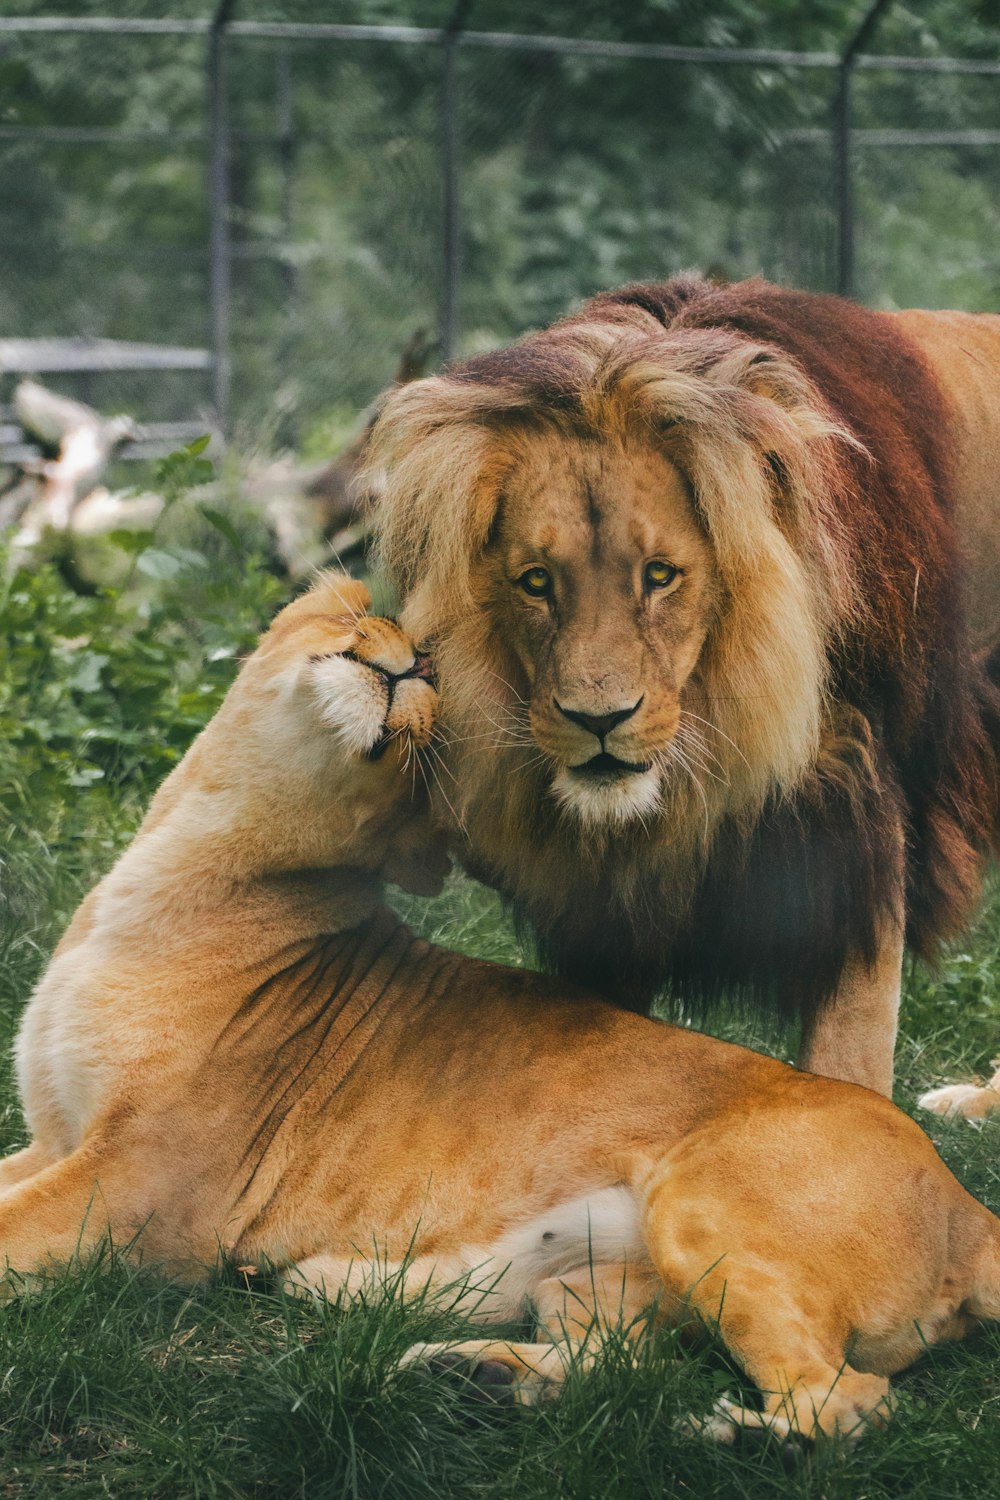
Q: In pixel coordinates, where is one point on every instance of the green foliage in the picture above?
(107, 690)
(575, 172)
(100, 695)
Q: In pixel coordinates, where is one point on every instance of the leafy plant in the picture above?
(100, 695)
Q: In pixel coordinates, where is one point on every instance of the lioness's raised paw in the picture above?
(379, 688)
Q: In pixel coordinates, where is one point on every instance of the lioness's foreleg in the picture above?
(853, 1037)
(21, 1165)
(358, 1276)
(593, 1301)
(523, 1372)
(64, 1209)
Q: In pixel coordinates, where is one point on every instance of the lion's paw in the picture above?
(964, 1100)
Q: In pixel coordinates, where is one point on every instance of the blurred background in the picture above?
(291, 199)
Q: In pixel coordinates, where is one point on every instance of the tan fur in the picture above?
(964, 352)
(237, 1045)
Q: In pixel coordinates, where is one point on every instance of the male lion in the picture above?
(238, 1044)
(720, 698)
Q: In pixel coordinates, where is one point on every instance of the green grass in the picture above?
(115, 1382)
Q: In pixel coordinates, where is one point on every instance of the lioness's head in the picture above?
(612, 535)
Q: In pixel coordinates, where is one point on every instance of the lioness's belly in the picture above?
(597, 1228)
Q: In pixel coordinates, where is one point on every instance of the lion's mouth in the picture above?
(607, 765)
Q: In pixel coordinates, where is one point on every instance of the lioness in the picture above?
(711, 577)
(238, 1043)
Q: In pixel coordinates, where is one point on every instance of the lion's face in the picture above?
(620, 543)
(604, 587)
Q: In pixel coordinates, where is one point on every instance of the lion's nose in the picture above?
(598, 724)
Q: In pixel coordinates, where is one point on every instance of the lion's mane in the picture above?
(843, 699)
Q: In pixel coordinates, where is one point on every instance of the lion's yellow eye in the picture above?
(537, 582)
(659, 575)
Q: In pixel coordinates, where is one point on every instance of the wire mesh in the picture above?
(572, 172)
(928, 213)
(103, 218)
(336, 220)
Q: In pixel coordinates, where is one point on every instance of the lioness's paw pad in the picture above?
(485, 1380)
(963, 1100)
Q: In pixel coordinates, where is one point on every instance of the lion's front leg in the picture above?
(853, 1037)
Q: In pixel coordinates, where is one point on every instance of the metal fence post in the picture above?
(842, 146)
(218, 211)
(450, 143)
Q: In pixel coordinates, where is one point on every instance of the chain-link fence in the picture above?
(302, 198)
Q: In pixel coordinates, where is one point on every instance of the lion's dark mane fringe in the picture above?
(779, 908)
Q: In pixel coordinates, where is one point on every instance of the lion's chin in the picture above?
(607, 801)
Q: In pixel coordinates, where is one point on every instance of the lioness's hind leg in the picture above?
(773, 1311)
(845, 1411)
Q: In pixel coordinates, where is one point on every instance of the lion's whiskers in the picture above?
(430, 763)
(716, 730)
(439, 758)
(692, 742)
(509, 686)
(542, 758)
(674, 755)
(515, 733)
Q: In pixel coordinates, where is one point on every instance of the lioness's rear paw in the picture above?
(736, 1426)
(728, 1421)
(492, 1371)
(965, 1100)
